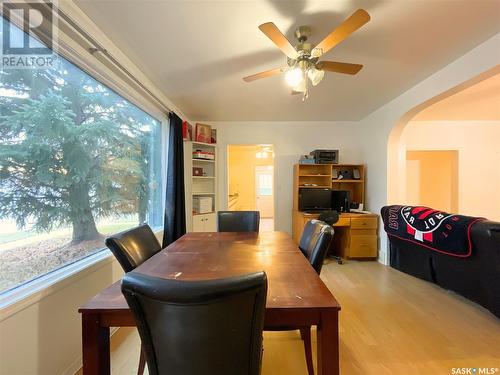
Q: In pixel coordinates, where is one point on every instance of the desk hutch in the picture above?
(355, 233)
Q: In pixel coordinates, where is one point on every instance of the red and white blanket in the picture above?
(433, 229)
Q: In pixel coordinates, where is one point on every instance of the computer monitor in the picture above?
(315, 199)
(341, 200)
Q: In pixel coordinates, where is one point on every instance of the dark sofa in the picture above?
(476, 277)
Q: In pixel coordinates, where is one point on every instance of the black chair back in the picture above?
(211, 327)
(238, 221)
(134, 246)
(329, 217)
(315, 242)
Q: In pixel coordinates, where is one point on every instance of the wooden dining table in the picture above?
(296, 295)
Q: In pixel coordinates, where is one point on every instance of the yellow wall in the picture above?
(432, 179)
(478, 147)
(241, 165)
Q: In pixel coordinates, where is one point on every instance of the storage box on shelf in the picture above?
(202, 204)
(200, 180)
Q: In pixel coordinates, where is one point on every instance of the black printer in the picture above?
(325, 156)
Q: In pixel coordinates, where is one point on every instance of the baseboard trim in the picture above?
(74, 367)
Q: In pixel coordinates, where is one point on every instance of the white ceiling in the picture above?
(480, 102)
(198, 51)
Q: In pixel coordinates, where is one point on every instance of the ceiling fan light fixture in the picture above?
(315, 75)
(302, 60)
(301, 87)
(294, 77)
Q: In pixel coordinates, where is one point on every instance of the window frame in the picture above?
(34, 290)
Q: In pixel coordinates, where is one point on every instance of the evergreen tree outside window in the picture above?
(77, 162)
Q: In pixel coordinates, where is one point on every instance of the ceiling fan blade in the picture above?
(277, 37)
(346, 28)
(265, 74)
(339, 67)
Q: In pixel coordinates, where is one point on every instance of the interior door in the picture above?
(264, 191)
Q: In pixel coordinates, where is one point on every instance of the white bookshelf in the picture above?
(200, 186)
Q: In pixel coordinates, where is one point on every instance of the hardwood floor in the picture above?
(391, 323)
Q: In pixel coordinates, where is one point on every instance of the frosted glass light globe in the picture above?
(315, 75)
(294, 77)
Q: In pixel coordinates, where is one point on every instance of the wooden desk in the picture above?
(355, 234)
(296, 295)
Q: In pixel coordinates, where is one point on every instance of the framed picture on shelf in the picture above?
(203, 133)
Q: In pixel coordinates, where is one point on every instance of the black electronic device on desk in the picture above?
(325, 156)
(315, 200)
(341, 200)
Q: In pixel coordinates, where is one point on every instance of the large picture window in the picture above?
(77, 162)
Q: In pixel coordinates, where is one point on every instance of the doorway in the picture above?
(432, 179)
(251, 181)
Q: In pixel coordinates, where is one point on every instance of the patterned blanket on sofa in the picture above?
(433, 229)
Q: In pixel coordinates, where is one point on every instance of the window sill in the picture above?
(30, 293)
(33, 291)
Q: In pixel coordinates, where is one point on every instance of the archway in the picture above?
(396, 147)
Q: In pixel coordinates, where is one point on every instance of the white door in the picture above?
(264, 191)
(204, 223)
(210, 223)
(198, 223)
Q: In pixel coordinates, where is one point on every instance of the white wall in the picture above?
(478, 146)
(290, 140)
(44, 336)
(391, 118)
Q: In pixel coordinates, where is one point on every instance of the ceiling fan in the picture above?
(303, 59)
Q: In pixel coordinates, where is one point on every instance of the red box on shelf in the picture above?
(197, 171)
(187, 131)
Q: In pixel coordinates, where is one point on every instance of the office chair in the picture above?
(331, 217)
(314, 244)
(131, 248)
(208, 327)
(238, 221)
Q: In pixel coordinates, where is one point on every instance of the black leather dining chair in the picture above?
(208, 327)
(131, 248)
(238, 221)
(314, 244)
(331, 217)
(134, 246)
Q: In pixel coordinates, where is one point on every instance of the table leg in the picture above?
(328, 343)
(95, 346)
